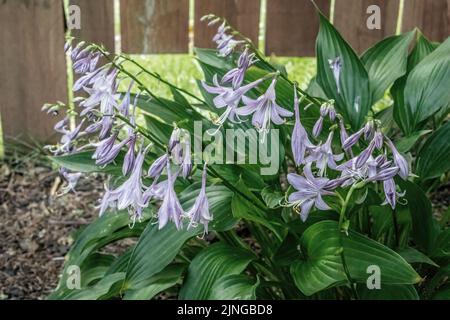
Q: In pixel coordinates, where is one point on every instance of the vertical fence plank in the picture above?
(154, 26)
(32, 64)
(241, 14)
(430, 16)
(350, 18)
(292, 26)
(97, 22)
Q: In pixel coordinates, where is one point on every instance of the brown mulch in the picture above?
(35, 226)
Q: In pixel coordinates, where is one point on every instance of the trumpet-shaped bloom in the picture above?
(199, 213)
(299, 140)
(170, 208)
(309, 192)
(228, 97)
(264, 109)
(323, 156)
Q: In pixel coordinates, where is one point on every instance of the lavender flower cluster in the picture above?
(317, 161)
(102, 113)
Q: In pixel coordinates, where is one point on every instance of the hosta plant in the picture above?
(326, 197)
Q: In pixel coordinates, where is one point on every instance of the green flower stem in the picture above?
(341, 235)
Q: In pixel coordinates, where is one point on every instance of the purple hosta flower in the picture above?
(86, 63)
(104, 146)
(317, 129)
(353, 139)
(170, 208)
(391, 192)
(343, 134)
(299, 140)
(369, 130)
(93, 127)
(71, 179)
(309, 192)
(236, 76)
(336, 67)
(384, 174)
(186, 163)
(228, 97)
(129, 194)
(103, 93)
(157, 189)
(264, 109)
(130, 156)
(158, 166)
(378, 140)
(111, 155)
(350, 173)
(90, 77)
(61, 126)
(225, 42)
(124, 107)
(399, 161)
(362, 158)
(323, 156)
(199, 213)
(68, 138)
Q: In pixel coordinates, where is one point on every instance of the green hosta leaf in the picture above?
(441, 248)
(211, 264)
(95, 267)
(423, 228)
(386, 62)
(157, 248)
(161, 281)
(234, 287)
(442, 294)
(354, 99)
(402, 114)
(100, 290)
(426, 90)
(433, 158)
(406, 143)
(104, 230)
(154, 251)
(83, 162)
(322, 268)
(271, 197)
(388, 292)
(412, 255)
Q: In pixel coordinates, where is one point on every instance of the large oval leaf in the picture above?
(386, 62)
(388, 292)
(211, 264)
(353, 98)
(322, 267)
(234, 287)
(433, 158)
(426, 90)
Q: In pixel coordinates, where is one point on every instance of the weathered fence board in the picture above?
(350, 18)
(155, 26)
(97, 22)
(32, 64)
(241, 14)
(292, 26)
(430, 16)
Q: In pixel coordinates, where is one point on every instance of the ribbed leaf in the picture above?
(161, 281)
(322, 268)
(354, 98)
(157, 248)
(426, 90)
(424, 231)
(386, 62)
(234, 287)
(99, 290)
(412, 255)
(83, 162)
(402, 114)
(211, 264)
(433, 158)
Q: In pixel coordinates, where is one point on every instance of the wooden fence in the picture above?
(32, 63)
